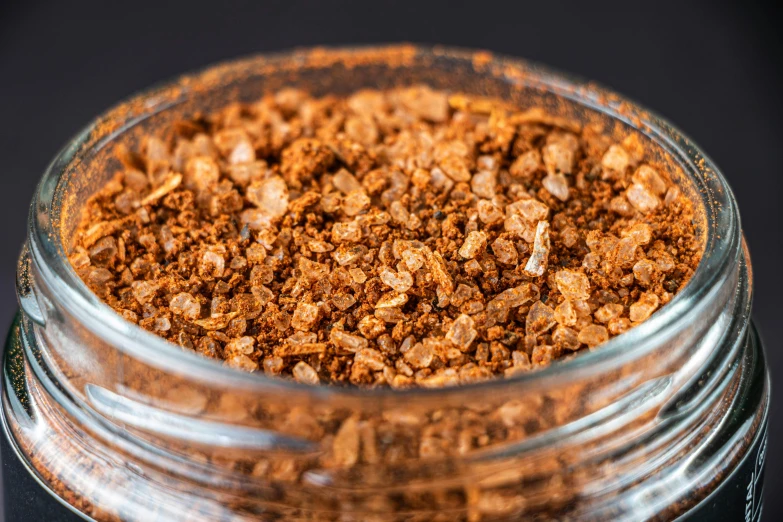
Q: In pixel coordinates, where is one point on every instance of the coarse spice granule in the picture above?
(409, 237)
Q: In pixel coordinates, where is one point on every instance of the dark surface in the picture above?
(712, 68)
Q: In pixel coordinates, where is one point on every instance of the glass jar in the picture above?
(665, 420)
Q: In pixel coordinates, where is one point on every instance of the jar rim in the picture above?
(721, 239)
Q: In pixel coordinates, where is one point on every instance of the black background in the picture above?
(712, 68)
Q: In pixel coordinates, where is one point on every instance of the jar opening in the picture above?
(78, 169)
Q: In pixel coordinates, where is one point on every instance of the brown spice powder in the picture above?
(403, 237)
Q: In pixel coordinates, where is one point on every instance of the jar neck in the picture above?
(649, 418)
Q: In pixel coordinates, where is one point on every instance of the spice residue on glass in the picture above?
(408, 237)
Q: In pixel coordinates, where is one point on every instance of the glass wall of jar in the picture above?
(121, 425)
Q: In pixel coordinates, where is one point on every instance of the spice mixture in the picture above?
(404, 237)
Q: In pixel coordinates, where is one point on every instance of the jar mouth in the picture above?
(717, 210)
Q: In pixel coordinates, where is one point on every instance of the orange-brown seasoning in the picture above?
(404, 237)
